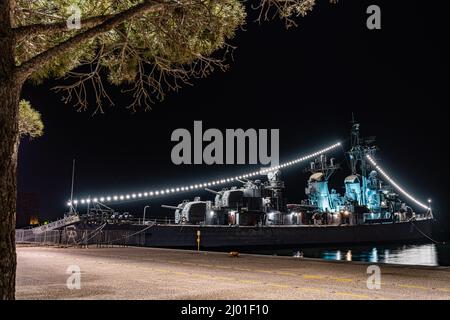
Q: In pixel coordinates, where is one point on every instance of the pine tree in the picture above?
(147, 47)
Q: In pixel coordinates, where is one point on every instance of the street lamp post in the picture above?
(429, 208)
(143, 218)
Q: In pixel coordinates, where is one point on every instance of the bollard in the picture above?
(198, 240)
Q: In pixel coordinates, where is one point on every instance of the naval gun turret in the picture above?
(192, 212)
(253, 203)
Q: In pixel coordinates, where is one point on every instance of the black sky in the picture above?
(305, 81)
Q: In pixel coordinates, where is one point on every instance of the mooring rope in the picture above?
(128, 236)
(95, 232)
(424, 234)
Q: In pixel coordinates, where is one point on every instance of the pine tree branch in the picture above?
(27, 68)
(49, 28)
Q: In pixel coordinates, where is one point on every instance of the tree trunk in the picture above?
(9, 101)
(10, 87)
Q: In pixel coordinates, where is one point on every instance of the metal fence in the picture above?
(44, 238)
(76, 237)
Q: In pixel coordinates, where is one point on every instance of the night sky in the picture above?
(305, 81)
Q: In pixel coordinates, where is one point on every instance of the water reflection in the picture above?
(429, 254)
(348, 255)
(423, 254)
(373, 255)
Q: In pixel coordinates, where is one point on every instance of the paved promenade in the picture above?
(147, 273)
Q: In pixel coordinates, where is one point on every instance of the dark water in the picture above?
(428, 254)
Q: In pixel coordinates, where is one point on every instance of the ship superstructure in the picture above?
(366, 198)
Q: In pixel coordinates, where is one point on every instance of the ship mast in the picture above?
(72, 209)
(357, 155)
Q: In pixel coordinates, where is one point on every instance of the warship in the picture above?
(255, 213)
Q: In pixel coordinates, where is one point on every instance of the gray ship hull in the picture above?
(185, 236)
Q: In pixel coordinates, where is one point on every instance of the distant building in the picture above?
(27, 209)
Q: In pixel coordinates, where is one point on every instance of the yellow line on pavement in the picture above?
(161, 270)
(242, 269)
(309, 289)
(353, 295)
(311, 276)
(412, 287)
(264, 271)
(286, 273)
(276, 285)
(204, 276)
(224, 278)
(206, 265)
(342, 279)
(250, 281)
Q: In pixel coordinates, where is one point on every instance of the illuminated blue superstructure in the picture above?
(353, 191)
(318, 192)
(364, 191)
(373, 192)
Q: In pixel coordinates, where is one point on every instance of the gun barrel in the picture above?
(212, 191)
(169, 207)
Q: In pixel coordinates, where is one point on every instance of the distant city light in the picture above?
(205, 184)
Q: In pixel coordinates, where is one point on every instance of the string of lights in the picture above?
(393, 183)
(167, 191)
